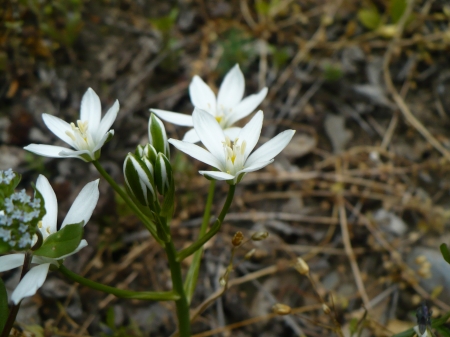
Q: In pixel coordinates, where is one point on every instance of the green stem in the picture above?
(15, 307)
(140, 295)
(184, 324)
(213, 231)
(192, 274)
(147, 223)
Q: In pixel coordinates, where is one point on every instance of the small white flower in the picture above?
(87, 136)
(227, 108)
(232, 158)
(81, 210)
(427, 332)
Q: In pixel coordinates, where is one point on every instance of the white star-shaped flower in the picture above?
(81, 210)
(228, 108)
(87, 136)
(232, 156)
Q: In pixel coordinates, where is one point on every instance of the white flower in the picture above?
(81, 210)
(86, 137)
(232, 158)
(228, 108)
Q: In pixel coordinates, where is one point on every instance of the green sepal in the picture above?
(150, 153)
(4, 312)
(157, 135)
(139, 152)
(163, 174)
(139, 180)
(63, 242)
(445, 252)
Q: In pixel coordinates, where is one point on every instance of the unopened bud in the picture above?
(259, 236)
(139, 180)
(301, 266)
(150, 153)
(326, 308)
(157, 135)
(163, 174)
(237, 239)
(249, 255)
(281, 309)
(222, 281)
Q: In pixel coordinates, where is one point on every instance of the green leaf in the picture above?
(445, 252)
(396, 9)
(63, 242)
(4, 312)
(369, 17)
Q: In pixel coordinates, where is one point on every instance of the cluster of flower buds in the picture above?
(19, 215)
(148, 171)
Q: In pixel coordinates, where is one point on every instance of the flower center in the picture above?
(80, 135)
(222, 112)
(234, 155)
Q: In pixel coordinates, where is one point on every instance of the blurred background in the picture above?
(361, 193)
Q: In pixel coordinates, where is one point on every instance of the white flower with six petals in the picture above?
(81, 210)
(232, 158)
(87, 137)
(228, 108)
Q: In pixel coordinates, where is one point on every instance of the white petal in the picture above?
(91, 109)
(174, 117)
(217, 175)
(246, 107)
(232, 88)
(191, 136)
(107, 121)
(270, 149)
(202, 96)
(47, 150)
(255, 167)
(233, 132)
(30, 283)
(84, 205)
(210, 133)
(67, 153)
(196, 152)
(58, 127)
(11, 261)
(251, 132)
(42, 260)
(102, 141)
(51, 206)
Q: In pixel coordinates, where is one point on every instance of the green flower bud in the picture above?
(139, 180)
(139, 152)
(157, 135)
(150, 153)
(163, 174)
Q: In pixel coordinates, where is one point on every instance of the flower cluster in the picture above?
(79, 213)
(19, 216)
